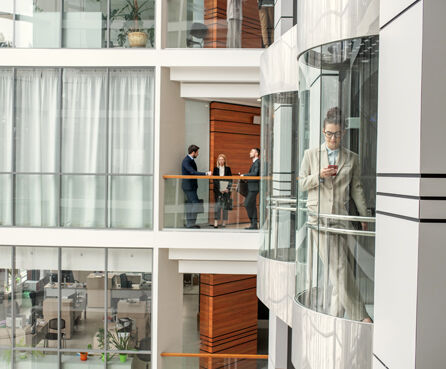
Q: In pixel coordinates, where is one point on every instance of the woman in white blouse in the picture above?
(222, 191)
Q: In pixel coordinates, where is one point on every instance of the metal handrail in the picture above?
(356, 218)
(180, 176)
(282, 200)
(219, 356)
(353, 232)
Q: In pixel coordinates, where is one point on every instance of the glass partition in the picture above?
(6, 23)
(80, 24)
(336, 187)
(278, 190)
(77, 147)
(56, 302)
(226, 208)
(228, 24)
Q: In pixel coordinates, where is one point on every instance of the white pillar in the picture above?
(169, 308)
(410, 294)
(277, 343)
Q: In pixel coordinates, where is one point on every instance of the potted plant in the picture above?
(101, 341)
(132, 12)
(121, 342)
(84, 355)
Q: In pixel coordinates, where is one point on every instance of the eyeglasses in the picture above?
(329, 134)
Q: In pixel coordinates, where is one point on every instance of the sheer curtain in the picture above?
(6, 100)
(37, 147)
(131, 143)
(84, 147)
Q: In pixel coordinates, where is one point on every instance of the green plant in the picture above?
(132, 12)
(120, 341)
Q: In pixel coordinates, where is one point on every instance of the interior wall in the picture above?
(228, 313)
(215, 20)
(233, 133)
(172, 132)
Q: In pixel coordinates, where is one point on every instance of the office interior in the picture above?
(60, 300)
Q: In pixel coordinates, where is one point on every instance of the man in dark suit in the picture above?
(190, 186)
(253, 188)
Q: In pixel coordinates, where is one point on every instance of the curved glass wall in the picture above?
(278, 193)
(336, 187)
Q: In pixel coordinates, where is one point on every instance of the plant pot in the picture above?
(137, 39)
(84, 356)
(122, 358)
(103, 357)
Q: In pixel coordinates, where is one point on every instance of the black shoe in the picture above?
(193, 226)
(252, 226)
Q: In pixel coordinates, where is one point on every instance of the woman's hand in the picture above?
(327, 172)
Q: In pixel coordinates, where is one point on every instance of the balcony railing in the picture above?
(220, 202)
(212, 361)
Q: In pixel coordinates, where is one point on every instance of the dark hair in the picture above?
(192, 148)
(334, 116)
(257, 149)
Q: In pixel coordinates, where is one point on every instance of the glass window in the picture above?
(83, 201)
(83, 297)
(337, 175)
(37, 120)
(131, 121)
(37, 24)
(6, 107)
(131, 300)
(5, 299)
(84, 24)
(59, 302)
(278, 192)
(132, 23)
(231, 24)
(82, 144)
(131, 201)
(84, 121)
(36, 296)
(36, 200)
(6, 23)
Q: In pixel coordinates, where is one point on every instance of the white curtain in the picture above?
(6, 100)
(131, 142)
(83, 147)
(37, 146)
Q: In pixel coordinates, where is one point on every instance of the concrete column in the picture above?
(410, 276)
(277, 343)
(169, 309)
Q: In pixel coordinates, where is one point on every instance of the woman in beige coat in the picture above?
(331, 176)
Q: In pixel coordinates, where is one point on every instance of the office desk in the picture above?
(67, 290)
(131, 293)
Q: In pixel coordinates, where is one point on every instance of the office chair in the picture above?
(199, 31)
(144, 344)
(125, 283)
(51, 336)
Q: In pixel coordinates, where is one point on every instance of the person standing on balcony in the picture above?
(266, 16)
(190, 186)
(253, 188)
(234, 16)
(330, 174)
(222, 191)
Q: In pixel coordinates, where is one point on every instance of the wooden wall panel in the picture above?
(215, 20)
(228, 316)
(232, 133)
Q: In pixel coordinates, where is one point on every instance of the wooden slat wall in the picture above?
(232, 133)
(215, 20)
(228, 317)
